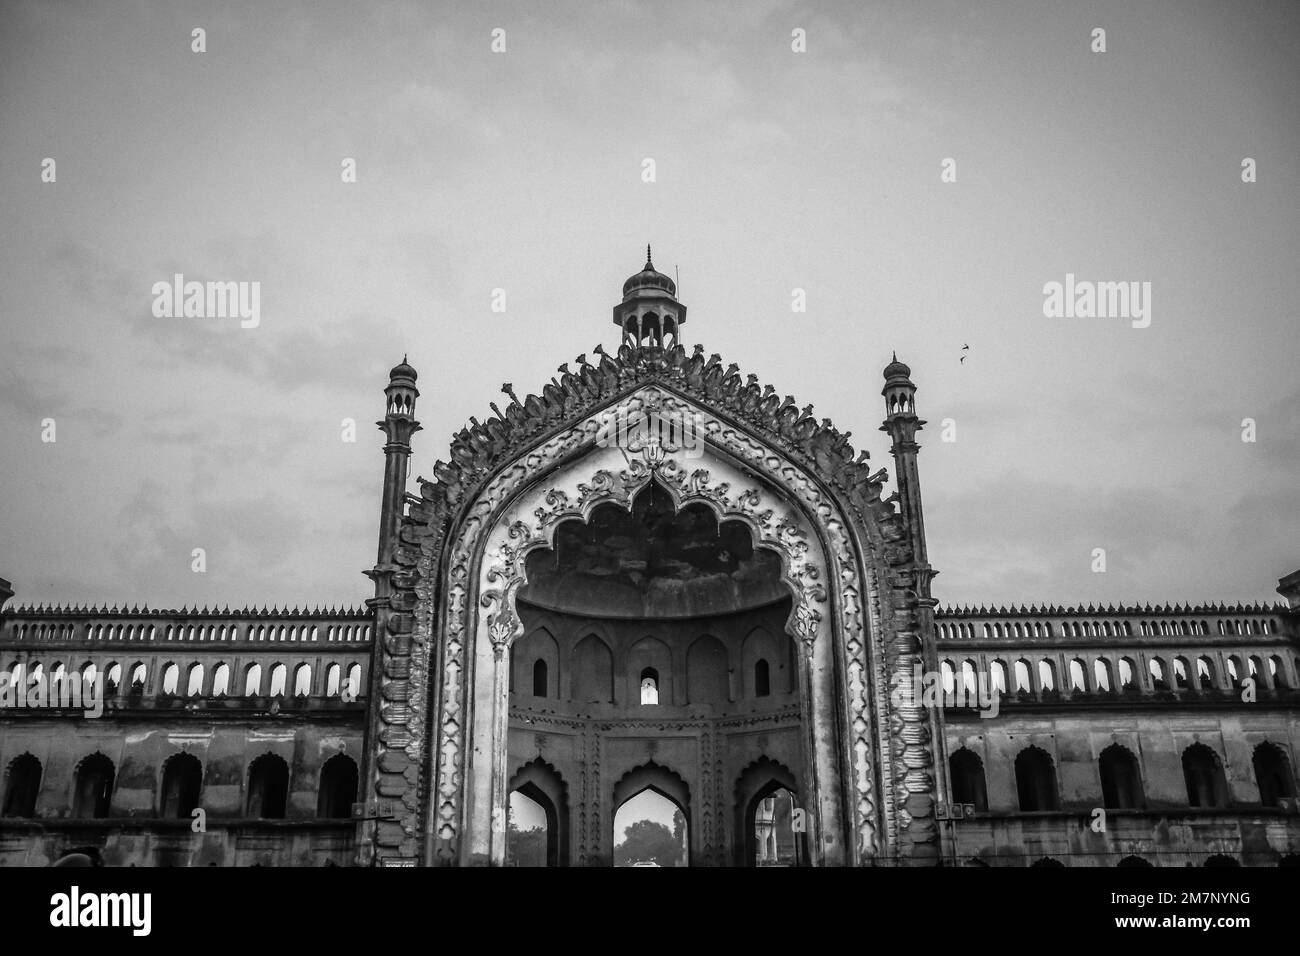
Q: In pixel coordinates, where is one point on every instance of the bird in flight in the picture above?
(964, 348)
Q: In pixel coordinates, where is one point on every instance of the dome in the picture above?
(649, 278)
(402, 371)
(897, 369)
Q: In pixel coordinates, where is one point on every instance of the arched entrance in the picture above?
(537, 817)
(652, 823)
(862, 749)
(769, 816)
(641, 558)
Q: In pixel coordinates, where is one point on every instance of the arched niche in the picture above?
(536, 647)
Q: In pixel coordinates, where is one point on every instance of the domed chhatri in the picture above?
(650, 314)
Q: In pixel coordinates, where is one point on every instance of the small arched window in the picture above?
(279, 674)
(1077, 680)
(539, 678)
(171, 678)
(182, 780)
(268, 787)
(998, 676)
(1121, 783)
(302, 681)
(1203, 773)
(221, 680)
(22, 786)
(1101, 674)
(353, 685)
(947, 677)
(338, 788)
(194, 686)
(762, 678)
(649, 686)
(1022, 675)
(1046, 675)
(94, 787)
(1035, 780)
(1273, 774)
(253, 680)
(333, 680)
(968, 786)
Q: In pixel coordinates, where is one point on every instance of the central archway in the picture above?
(774, 521)
(867, 767)
(658, 830)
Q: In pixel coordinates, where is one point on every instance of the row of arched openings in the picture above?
(1029, 630)
(181, 788)
(707, 670)
(1121, 778)
(285, 633)
(191, 681)
(651, 818)
(1165, 675)
(1137, 862)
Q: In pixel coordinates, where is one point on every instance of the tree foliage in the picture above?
(648, 841)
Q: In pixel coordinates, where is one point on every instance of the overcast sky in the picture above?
(522, 170)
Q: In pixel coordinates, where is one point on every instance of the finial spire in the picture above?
(895, 355)
(648, 263)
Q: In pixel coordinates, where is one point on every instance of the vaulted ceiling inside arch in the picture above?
(653, 562)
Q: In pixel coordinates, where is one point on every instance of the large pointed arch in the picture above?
(451, 598)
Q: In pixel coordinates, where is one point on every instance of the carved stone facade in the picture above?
(658, 575)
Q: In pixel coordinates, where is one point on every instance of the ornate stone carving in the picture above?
(443, 537)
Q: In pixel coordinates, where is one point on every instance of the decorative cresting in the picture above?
(490, 458)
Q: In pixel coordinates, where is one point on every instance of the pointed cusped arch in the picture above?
(650, 659)
(653, 776)
(843, 556)
(708, 669)
(760, 779)
(777, 520)
(542, 783)
(535, 664)
(593, 671)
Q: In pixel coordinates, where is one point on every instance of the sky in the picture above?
(523, 171)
